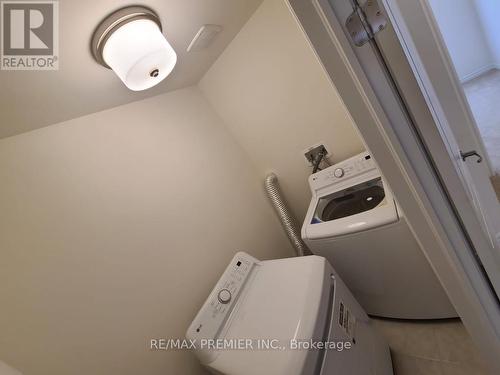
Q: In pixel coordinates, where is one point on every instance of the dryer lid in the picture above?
(286, 300)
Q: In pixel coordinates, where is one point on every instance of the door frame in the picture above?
(463, 120)
(404, 164)
(433, 68)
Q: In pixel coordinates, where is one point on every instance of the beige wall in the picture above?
(464, 35)
(115, 226)
(113, 229)
(276, 100)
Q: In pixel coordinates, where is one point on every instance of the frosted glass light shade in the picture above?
(139, 54)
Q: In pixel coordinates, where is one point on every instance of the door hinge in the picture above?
(365, 22)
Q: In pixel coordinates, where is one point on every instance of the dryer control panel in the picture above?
(342, 171)
(211, 318)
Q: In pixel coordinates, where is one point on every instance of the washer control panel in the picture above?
(224, 296)
(339, 172)
(218, 306)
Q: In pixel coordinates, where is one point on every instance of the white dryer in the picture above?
(249, 322)
(354, 222)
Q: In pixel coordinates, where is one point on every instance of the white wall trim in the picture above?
(479, 72)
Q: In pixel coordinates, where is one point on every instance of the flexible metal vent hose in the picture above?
(287, 220)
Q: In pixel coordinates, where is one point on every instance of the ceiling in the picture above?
(34, 99)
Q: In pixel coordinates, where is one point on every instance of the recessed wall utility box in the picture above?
(312, 153)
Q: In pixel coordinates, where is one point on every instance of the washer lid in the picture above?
(368, 204)
(287, 299)
(350, 201)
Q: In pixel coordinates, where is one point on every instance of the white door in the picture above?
(410, 95)
(399, 121)
(416, 36)
(429, 60)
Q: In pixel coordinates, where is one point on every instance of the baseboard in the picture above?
(479, 72)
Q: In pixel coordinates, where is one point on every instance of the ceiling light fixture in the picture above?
(130, 42)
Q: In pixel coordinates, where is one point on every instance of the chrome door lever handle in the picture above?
(465, 155)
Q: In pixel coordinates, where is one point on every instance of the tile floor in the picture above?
(483, 93)
(431, 348)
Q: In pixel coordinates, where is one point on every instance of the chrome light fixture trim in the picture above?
(113, 22)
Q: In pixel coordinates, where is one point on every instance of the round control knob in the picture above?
(339, 172)
(224, 296)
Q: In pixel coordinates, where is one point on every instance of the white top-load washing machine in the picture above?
(355, 223)
(249, 322)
